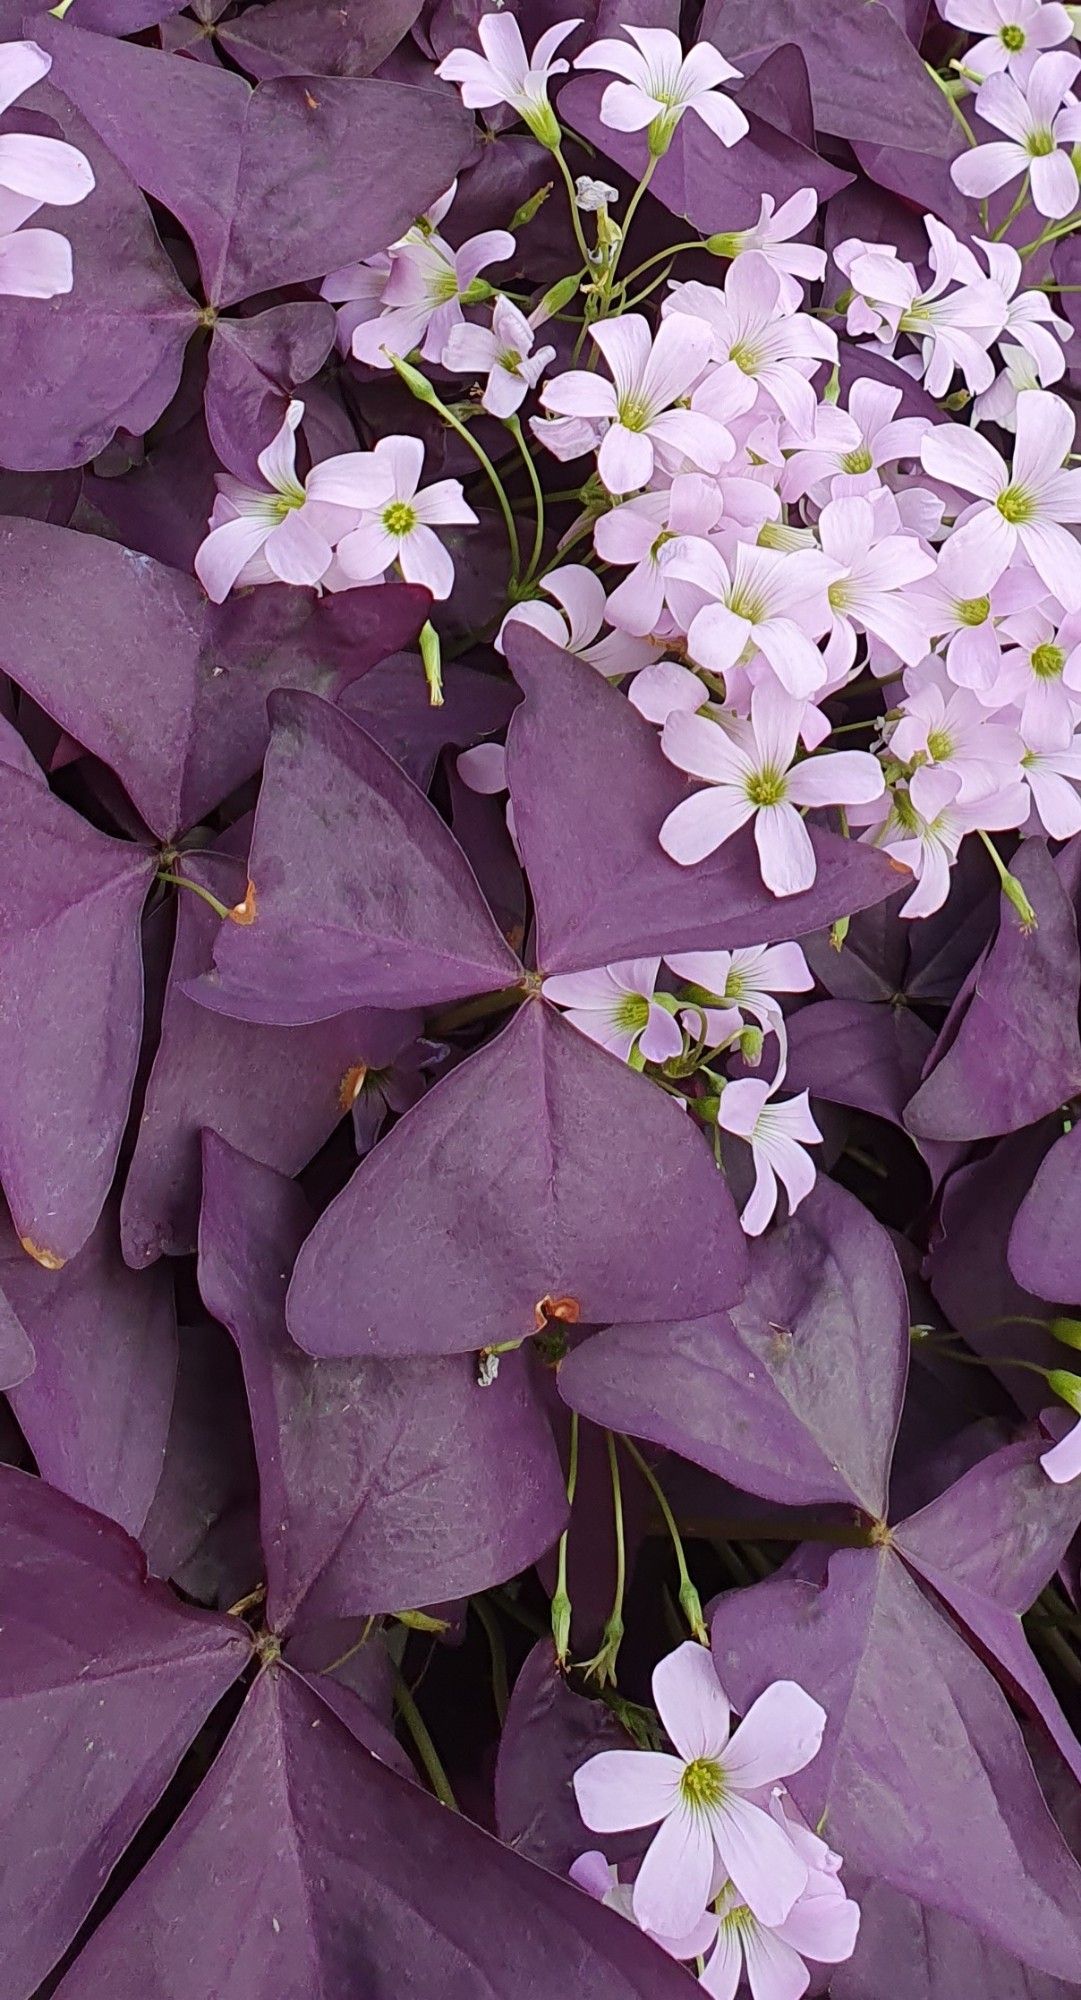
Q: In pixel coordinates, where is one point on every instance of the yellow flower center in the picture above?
(1047, 662)
(702, 1784)
(399, 518)
(859, 460)
(1015, 505)
(766, 787)
(973, 610)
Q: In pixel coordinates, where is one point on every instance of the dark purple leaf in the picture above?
(344, 1872)
(104, 1680)
(1015, 1054)
(202, 1531)
(603, 888)
(253, 367)
(71, 997)
(1045, 1241)
(540, 1172)
(307, 38)
(274, 1093)
(869, 1057)
(281, 206)
(16, 1351)
(168, 690)
(385, 1486)
(548, 1733)
(361, 895)
(915, 1953)
(796, 1392)
(923, 1774)
(391, 703)
(95, 1412)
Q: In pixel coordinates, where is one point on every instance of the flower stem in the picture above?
(658, 257)
(426, 1750)
(498, 1652)
(572, 196)
(185, 882)
(689, 1600)
(1011, 887)
(561, 1604)
(422, 389)
(351, 1651)
(603, 1665)
(1019, 204)
(515, 429)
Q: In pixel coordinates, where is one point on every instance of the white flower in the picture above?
(504, 74)
(397, 527)
(503, 352)
(615, 1006)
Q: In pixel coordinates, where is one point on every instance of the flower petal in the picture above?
(691, 1702)
(759, 1857)
(672, 1886)
(621, 1789)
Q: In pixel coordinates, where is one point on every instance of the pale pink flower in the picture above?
(748, 771)
(484, 769)
(397, 522)
(658, 691)
(962, 612)
(779, 349)
(1062, 1463)
(1040, 672)
(955, 329)
(615, 1006)
(949, 727)
(772, 235)
(702, 1797)
(998, 404)
(1052, 773)
(926, 824)
(661, 83)
(640, 406)
(583, 607)
(823, 1925)
(850, 448)
(1036, 125)
(732, 984)
(357, 289)
(426, 288)
(1028, 317)
(1012, 31)
(600, 1879)
(567, 438)
(777, 1135)
(504, 74)
(1025, 507)
(34, 172)
(646, 533)
(871, 586)
(503, 352)
(764, 601)
(285, 531)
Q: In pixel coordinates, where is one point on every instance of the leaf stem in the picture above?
(603, 1665)
(498, 1652)
(561, 1603)
(185, 882)
(426, 1750)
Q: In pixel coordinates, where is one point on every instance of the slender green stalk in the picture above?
(422, 389)
(1020, 203)
(689, 1600)
(1011, 887)
(426, 1750)
(351, 1651)
(185, 882)
(561, 1603)
(515, 428)
(572, 196)
(658, 257)
(498, 1652)
(603, 1665)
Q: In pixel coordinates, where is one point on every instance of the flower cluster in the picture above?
(733, 1877)
(35, 172)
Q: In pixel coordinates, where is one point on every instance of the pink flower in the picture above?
(926, 824)
(648, 533)
(764, 601)
(702, 1796)
(357, 289)
(397, 521)
(661, 83)
(1012, 30)
(1063, 1462)
(1041, 673)
(615, 1007)
(1052, 773)
(772, 236)
(849, 448)
(600, 1879)
(657, 692)
(949, 728)
(869, 592)
(649, 376)
(504, 352)
(960, 610)
(576, 624)
(1028, 316)
(747, 766)
(823, 1925)
(1025, 507)
(34, 172)
(284, 532)
(1036, 126)
(504, 74)
(954, 329)
(426, 288)
(743, 982)
(777, 1135)
(777, 348)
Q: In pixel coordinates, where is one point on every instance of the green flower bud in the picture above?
(431, 654)
(530, 208)
(750, 1046)
(417, 384)
(1066, 1386)
(1068, 1331)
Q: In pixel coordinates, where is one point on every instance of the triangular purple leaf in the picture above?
(306, 38)
(252, 368)
(540, 1174)
(1045, 1241)
(591, 790)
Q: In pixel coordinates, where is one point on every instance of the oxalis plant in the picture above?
(540, 812)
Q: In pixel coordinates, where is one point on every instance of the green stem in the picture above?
(498, 1652)
(1019, 204)
(690, 1602)
(953, 104)
(1011, 887)
(350, 1651)
(422, 389)
(561, 1603)
(185, 882)
(658, 257)
(426, 1750)
(603, 1665)
(515, 429)
(572, 195)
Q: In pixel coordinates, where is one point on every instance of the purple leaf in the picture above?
(869, 1057)
(548, 1733)
(95, 1412)
(915, 1953)
(796, 1393)
(168, 690)
(104, 1680)
(274, 1093)
(108, 356)
(202, 1531)
(391, 703)
(344, 1870)
(384, 1487)
(362, 897)
(71, 996)
(603, 888)
(16, 1351)
(1045, 1242)
(537, 1175)
(307, 38)
(1016, 1053)
(281, 206)
(252, 369)
(923, 1773)
(988, 1547)
(867, 80)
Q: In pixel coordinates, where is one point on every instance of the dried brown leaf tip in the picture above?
(244, 913)
(48, 1259)
(351, 1085)
(567, 1310)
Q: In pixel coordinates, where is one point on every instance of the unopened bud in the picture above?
(561, 1625)
(417, 384)
(1014, 893)
(691, 1606)
(431, 654)
(832, 391)
(1068, 1331)
(554, 300)
(724, 245)
(750, 1046)
(530, 208)
(838, 933)
(1066, 1386)
(421, 1621)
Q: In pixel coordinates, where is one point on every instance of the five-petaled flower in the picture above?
(1041, 122)
(1026, 506)
(504, 74)
(397, 521)
(660, 83)
(615, 1006)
